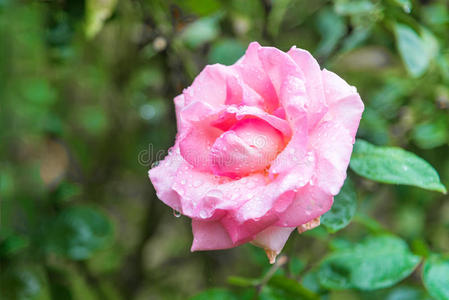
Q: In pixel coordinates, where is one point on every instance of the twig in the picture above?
(281, 261)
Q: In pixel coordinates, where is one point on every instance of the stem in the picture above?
(281, 261)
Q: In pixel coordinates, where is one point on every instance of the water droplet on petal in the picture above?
(155, 164)
(176, 213)
(197, 183)
(203, 214)
(215, 194)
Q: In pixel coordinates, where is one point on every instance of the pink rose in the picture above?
(262, 148)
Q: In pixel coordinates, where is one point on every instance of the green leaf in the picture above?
(343, 209)
(278, 10)
(436, 277)
(406, 5)
(332, 28)
(243, 281)
(291, 287)
(407, 293)
(226, 52)
(215, 294)
(93, 119)
(201, 31)
(97, 12)
(377, 262)
(200, 7)
(413, 49)
(311, 282)
(38, 91)
(23, 282)
(353, 7)
(431, 134)
(394, 165)
(296, 266)
(374, 126)
(13, 244)
(389, 98)
(78, 232)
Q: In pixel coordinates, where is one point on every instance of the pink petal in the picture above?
(247, 147)
(245, 232)
(209, 235)
(205, 196)
(332, 145)
(273, 238)
(195, 145)
(335, 87)
(314, 83)
(251, 71)
(347, 111)
(211, 86)
(163, 175)
(230, 115)
(309, 203)
(179, 105)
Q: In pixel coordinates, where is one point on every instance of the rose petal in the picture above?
(251, 71)
(309, 203)
(195, 145)
(316, 104)
(247, 147)
(211, 86)
(272, 240)
(332, 145)
(351, 107)
(229, 116)
(163, 175)
(209, 235)
(335, 87)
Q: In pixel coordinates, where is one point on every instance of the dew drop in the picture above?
(155, 164)
(310, 157)
(183, 182)
(197, 183)
(215, 194)
(176, 213)
(232, 109)
(203, 214)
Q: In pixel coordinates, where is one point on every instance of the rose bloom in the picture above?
(262, 148)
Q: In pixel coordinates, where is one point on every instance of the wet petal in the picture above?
(272, 240)
(247, 147)
(209, 235)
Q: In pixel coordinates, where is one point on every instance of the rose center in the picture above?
(247, 147)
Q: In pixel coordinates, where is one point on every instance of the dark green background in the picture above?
(86, 99)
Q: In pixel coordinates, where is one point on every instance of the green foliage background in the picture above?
(86, 91)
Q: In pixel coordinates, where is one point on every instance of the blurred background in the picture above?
(86, 101)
